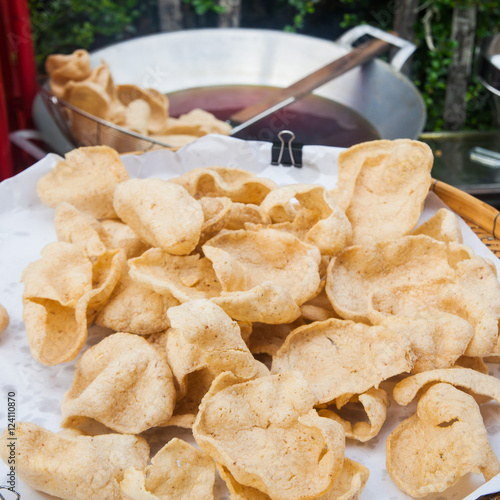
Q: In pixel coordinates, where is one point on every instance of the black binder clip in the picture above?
(288, 155)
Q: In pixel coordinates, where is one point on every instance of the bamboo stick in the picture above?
(467, 206)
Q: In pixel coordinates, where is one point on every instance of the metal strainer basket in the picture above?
(83, 129)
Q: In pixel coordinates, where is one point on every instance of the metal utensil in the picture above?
(284, 97)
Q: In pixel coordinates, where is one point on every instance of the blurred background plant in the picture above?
(61, 26)
(433, 33)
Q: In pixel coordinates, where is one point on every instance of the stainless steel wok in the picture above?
(181, 60)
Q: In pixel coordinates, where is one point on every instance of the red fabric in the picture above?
(18, 85)
(6, 165)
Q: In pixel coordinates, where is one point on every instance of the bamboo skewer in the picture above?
(470, 208)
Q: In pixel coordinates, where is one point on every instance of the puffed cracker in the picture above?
(116, 234)
(264, 303)
(348, 485)
(442, 226)
(179, 471)
(465, 378)
(215, 213)
(267, 339)
(57, 331)
(359, 271)
(86, 178)
(341, 358)
(438, 338)
(444, 440)
(317, 219)
(161, 213)
(134, 308)
(244, 259)
(267, 435)
(81, 229)
(374, 403)
(197, 122)
(185, 277)
(382, 187)
(203, 342)
(64, 68)
(63, 274)
(123, 382)
(72, 466)
(237, 184)
(4, 318)
(473, 295)
(157, 107)
(203, 335)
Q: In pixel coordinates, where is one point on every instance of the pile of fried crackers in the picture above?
(141, 110)
(253, 314)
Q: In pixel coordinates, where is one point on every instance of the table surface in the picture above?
(453, 165)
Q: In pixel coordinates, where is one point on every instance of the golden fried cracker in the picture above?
(185, 277)
(134, 308)
(57, 332)
(124, 383)
(4, 318)
(156, 118)
(73, 466)
(466, 378)
(442, 226)
(359, 271)
(438, 338)
(267, 339)
(179, 471)
(86, 178)
(215, 213)
(73, 226)
(268, 437)
(382, 187)
(116, 234)
(65, 68)
(444, 440)
(137, 116)
(63, 274)
(264, 303)
(197, 122)
(374, 403)
(203, 335)
(244, 259)
(317, 219)
(348, 485)
(237, 184)
(473, 295)
(161, 213)
(341, 358)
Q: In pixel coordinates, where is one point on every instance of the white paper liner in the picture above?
(26, 226)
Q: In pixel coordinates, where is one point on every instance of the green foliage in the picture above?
(201, 7)
(302, 8)
(62, 26)
(430, 65)
(356, 13)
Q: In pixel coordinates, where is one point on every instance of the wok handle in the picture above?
(406, 48)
